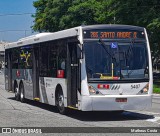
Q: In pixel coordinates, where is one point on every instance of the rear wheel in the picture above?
(60, 101)
(17, 96)
(22, 97)
(118, 112)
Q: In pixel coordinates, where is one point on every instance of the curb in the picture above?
(156, 94)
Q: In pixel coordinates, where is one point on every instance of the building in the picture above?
(2, 52)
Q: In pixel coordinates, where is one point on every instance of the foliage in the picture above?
(61, 14)
(156, 88)
(54, 15)
(145, 13)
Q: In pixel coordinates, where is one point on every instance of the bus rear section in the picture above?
(118, 69)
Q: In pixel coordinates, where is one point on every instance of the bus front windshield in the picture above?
(116, 60)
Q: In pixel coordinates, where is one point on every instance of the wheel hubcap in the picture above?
(22, 94)
(60, 100)
(16, 91)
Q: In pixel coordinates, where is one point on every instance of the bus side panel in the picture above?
(24, 75)
(6, 78)
(28, 84)
(42, 91)
(8, 71)
(48, 87)
(14, 78)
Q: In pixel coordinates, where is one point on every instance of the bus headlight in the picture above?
(145, 89)
(93, 91)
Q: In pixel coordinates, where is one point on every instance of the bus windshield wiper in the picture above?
(130, 49)
(113, 58)
(103, 45)
(129, 52)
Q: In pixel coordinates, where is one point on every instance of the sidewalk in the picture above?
(5, 93)
(156, 94)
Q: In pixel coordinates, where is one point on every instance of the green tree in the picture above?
(55, 15)
(145, 13)
(40, 15)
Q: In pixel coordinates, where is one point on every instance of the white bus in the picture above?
(88, 68)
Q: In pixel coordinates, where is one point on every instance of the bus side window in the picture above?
(62, 55)
(15, 56)
(6, 59)
(53, 60)
(63, 64)
(25, 58)
(43, 61)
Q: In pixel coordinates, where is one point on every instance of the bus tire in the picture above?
(118, 112)
(22, 91)
(60, 101)
(17, 95)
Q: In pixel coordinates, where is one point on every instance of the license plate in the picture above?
(121, 99)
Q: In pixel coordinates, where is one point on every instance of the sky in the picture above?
(8, 23)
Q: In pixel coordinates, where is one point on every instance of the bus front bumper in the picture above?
(109, 103)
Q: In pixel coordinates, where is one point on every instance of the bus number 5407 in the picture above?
(135, 86)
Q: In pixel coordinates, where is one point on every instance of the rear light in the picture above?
(60, 73)
(106, 86)
(144, 90)
(101, 86)
(93, 91)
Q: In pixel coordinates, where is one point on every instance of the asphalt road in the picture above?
(33, 114)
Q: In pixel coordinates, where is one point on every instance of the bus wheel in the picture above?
(17, 97)
(22, 98)
(118, 112)
(60, 102)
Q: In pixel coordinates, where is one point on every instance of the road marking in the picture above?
(156, 94)
(155, 119)
(138, 115)
(141, 112)
(148, 112)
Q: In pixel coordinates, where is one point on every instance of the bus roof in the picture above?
(112, 26)
(42, 37)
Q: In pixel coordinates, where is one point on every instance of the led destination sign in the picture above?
(95, 34)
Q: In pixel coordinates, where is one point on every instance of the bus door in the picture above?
(8, 71)
(72, 74)
(36, 95)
